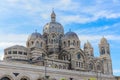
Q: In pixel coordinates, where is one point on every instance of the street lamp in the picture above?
(45, 68)
(46, 77)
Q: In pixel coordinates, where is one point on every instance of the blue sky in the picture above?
(90, 19)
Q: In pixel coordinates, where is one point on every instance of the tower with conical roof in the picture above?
(105, 56)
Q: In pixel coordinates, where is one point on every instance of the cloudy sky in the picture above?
(90, 19)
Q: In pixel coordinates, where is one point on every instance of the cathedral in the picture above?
(55, 55)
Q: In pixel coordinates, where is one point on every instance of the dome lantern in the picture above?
(53, 16)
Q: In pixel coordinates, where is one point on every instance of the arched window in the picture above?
(5, 78)
(74, 42)
(60, 67)
(102, 50)
(108, 51)
(41, 44)
(82, 64)
(77, 64)
(78, 56)
(56, 66)
(32, 42)
(5, 53)
(77, 43)
(52, 41)
(25, 78)
(66, 57)
(38, 44)
(98, 67)
(91, 66)
(53, 35)
(64, 44)
(68, 43)
(9, 52)
(64, 67)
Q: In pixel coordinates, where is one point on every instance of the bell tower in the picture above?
(104, 47)
(105, 56)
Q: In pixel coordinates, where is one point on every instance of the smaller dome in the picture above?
(103, 40)
(70, 35)
(34, 36)
(16, 47)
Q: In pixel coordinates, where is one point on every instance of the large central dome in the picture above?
(53, 26)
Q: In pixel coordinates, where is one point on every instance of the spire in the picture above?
(53, 16)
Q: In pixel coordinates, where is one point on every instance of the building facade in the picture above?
(56, 55)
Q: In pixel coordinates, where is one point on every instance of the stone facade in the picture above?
(56, 55)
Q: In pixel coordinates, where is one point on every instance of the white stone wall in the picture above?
(34, 72)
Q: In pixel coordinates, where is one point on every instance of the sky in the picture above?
(90, 19)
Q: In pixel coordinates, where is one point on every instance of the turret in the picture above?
(88, 49)
(104, 47)
(105, 56)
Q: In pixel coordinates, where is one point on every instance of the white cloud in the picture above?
(80, 12)
(8, 40)
(95, 40)
(13, 37)
(98, 37)
(8, 44)
(116, 72)
(1, 57)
